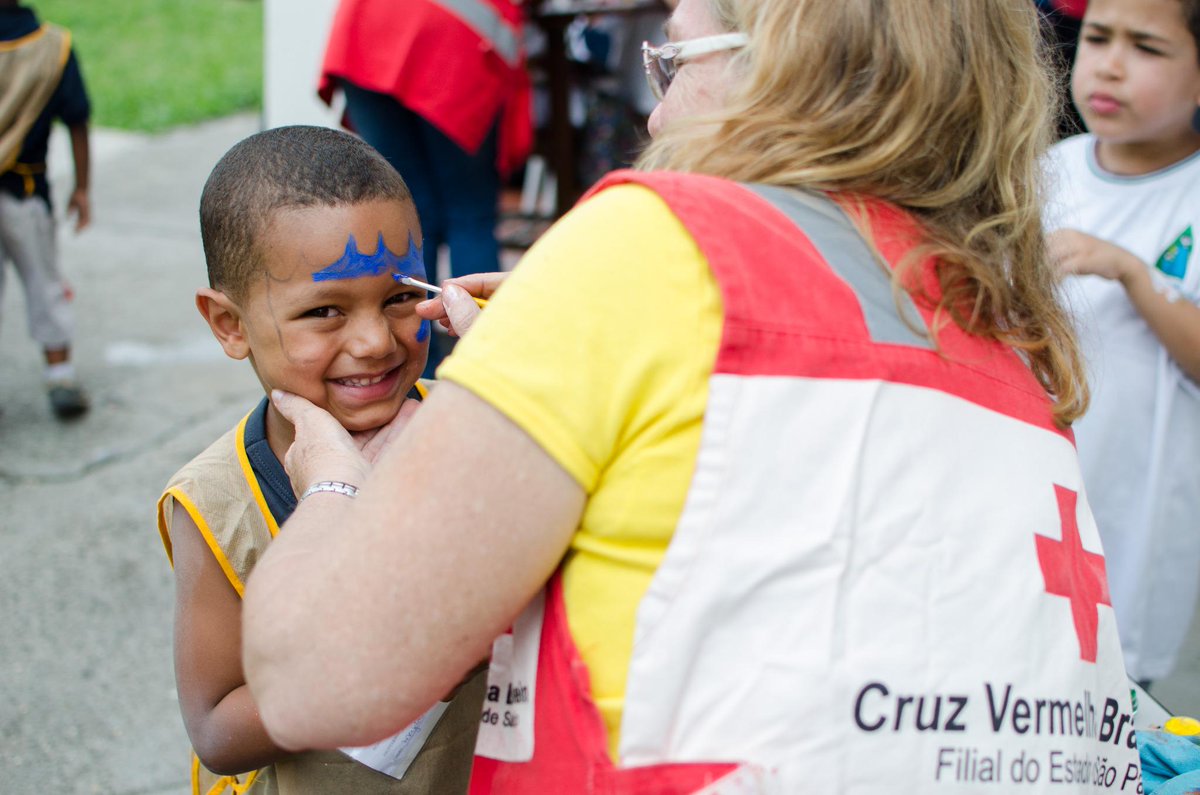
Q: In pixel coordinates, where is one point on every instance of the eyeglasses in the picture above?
(662, 63)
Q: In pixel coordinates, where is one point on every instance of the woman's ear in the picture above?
(224, 317)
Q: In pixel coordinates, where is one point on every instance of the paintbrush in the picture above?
(410, 281)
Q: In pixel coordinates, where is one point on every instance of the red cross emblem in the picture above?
(1073, 572)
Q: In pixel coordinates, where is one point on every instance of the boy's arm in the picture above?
(80, 203)
(1176, 322)
(221, 719)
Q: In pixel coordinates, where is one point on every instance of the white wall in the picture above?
(294, 41)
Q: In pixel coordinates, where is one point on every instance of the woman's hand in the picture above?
(454, 308)
(1077, 253)
(323, 449)
(372, 443)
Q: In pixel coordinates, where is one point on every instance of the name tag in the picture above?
(506, 725)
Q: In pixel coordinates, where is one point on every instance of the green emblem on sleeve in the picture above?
(1174, 261)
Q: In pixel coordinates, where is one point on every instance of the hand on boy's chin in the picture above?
(372, 443)
(323, 449)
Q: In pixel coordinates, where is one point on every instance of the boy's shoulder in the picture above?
(213, 489)
(216, 465)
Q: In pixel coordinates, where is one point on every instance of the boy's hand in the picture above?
(1078, 253)
(372, 443)
(323, 449)
(454, 308)
(81, 207)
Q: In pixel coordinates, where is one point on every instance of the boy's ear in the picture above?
(224, 317)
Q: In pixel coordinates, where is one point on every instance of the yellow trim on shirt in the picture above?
(600, 347)
(252, 479)
(162, 529)
(177, 494)
(28, 38)
(66, 49)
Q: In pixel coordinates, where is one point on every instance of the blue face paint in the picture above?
(353, 263)
(423, 331)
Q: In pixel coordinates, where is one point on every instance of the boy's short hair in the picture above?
(282, 168)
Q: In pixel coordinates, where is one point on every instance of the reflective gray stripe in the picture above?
(488, 23)
(842, 246)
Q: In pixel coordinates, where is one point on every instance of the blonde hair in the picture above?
(942, 107)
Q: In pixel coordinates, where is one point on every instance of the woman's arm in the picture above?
(1176, 322)
(218, 712)
(366, 611)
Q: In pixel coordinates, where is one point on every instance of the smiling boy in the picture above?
(1127, 206)
(306, 231)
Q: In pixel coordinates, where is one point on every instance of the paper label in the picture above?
(393, 756)
(506, 725)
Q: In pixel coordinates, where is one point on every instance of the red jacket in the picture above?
(1071, 8)
(457, 63)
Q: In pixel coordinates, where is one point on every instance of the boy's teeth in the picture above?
(362, 381)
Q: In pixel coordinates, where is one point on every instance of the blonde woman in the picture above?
(760, 461)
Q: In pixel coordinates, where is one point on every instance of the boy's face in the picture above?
(1137, 79)
(328, 321)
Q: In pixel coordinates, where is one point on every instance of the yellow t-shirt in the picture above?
(600, 347)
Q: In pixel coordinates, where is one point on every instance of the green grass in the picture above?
(154, 64)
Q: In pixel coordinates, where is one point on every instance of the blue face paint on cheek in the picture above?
(423, 331)
(353, 263)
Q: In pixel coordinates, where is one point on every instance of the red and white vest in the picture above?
(459, 64)
(886, 577)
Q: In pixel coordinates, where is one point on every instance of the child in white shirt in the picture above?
(1126, 206)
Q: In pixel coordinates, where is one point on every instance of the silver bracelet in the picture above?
(335, 486)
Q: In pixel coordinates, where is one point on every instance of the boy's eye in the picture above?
(322, 312)
(1149, 50)
(403, 298)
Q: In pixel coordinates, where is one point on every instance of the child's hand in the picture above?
(372, 443)
(80, 206)
(1078, 253)
(323, 449)
(454, 308)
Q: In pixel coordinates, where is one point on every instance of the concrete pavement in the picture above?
(87, 696)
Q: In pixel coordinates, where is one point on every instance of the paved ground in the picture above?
(87, 698)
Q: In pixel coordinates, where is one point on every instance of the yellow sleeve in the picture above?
(600, 346)
(582, 346)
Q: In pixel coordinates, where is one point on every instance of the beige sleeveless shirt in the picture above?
(30, 68)
(221, 494)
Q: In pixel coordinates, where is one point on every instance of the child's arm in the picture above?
(221, 719)
(1176, 323)
(80, 203)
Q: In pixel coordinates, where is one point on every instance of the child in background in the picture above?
(305, 231)
(1127, 206)
(40, 81)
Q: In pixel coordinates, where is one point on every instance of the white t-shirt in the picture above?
(1140, 441)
